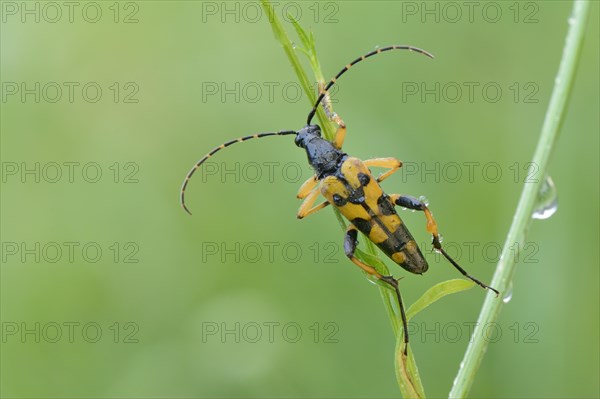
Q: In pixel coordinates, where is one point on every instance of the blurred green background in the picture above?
(242, 299)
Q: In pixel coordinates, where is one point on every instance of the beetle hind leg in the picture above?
(409, 202)
(350, 243)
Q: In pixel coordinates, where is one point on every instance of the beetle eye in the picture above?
(299, 141)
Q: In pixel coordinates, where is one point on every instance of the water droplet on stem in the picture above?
(547, 200)
(508, 294)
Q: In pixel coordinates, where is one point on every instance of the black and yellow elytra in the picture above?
(347, 183)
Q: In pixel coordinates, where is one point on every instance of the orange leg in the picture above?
(392, 163)
(418, 205)
(340, 134)
(350, 243)
(307, 208)
(409, 202)
(307, 187)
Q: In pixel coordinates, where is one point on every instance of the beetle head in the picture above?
(307, 134)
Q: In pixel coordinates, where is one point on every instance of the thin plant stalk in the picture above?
(328, 128)
(407, 374)
(523, 215)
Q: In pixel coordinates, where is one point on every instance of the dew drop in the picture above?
(508, 294)
(424, 200)
(441, 238)
(547, 200)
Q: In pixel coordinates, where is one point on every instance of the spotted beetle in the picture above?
(347, 183)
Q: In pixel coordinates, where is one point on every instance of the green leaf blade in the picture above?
(436, 293)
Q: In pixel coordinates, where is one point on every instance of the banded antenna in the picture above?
(219, 148)
(356, 61)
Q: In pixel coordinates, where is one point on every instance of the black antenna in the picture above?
(356, 61)
(217, 149)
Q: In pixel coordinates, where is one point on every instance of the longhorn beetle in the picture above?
(348, 184)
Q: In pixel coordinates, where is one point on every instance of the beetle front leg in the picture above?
(350, 243)
(307, 208)
(409, 202)
(307, 187)
(340, 134)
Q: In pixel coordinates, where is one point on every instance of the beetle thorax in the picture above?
(322, 154)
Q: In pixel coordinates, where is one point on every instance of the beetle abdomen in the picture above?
(358, 196)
